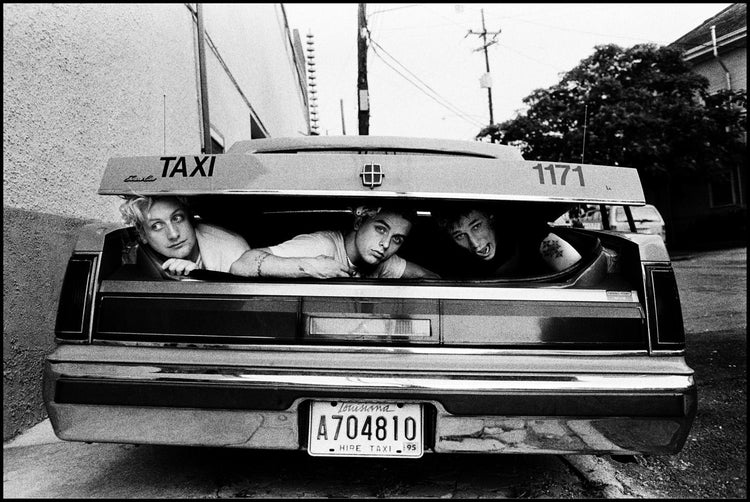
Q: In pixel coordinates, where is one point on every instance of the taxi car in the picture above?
(590, 359)
(647, 219)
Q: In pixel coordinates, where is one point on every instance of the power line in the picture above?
(410, 72)
(583, 32)
(460, 114)
(506, 46)
(394, 8)
(439, 99)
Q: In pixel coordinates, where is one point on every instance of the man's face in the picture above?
(380, 236)
(475, 233)
(168, 230)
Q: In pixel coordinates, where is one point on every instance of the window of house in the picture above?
(256, 131)
(217, 141)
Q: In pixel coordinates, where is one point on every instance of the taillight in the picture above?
(74, 308)
(665, 320)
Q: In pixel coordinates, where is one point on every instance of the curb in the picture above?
(41, 433)
(604, 477)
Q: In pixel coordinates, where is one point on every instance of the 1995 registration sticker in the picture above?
(365, 429)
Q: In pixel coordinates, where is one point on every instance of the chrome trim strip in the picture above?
(647, 293)
(391, 350)
(446, 351)
(318, 380)
(91, 295)
(662, 352)
(366, 192)
(339, 290)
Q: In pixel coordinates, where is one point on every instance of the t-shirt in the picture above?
(331, 243)
(219, 248)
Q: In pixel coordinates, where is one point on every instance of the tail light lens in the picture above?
(665, 322)
(74, 308)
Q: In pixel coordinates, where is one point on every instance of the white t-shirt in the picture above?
(331, 243)
(219, 248)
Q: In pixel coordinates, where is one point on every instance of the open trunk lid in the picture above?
(597, 304)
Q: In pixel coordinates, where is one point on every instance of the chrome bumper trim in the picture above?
(87, 352)
(424, 291)
(377, 374)
(317, 379)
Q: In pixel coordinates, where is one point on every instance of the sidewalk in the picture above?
(41, 433)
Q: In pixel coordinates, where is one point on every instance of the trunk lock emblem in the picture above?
(372, 175)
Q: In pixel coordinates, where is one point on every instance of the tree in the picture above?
(643, 108)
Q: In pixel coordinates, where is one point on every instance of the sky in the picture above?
(424, 66)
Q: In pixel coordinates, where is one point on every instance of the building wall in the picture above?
(736, 62)
(699, 222)
(86, 82)
(269, 78)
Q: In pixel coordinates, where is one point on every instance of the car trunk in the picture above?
(595, 304)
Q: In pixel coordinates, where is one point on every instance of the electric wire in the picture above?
(437, 97)
(457, 112)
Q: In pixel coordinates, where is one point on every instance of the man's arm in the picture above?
(414, 271)
(261, 263)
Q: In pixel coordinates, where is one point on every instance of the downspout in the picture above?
(729, 88)
(204, 81)
(716, 55)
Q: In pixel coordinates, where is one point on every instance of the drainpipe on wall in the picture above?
(729, 88)
(204, 81)
(716, 55)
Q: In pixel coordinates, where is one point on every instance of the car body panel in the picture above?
(646, 218)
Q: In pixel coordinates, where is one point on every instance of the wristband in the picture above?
(260, 262)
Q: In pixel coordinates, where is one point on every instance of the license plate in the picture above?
(362, 429)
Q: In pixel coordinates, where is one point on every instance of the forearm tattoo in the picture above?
(551, 249)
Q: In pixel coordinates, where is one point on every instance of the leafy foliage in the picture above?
(640, 107)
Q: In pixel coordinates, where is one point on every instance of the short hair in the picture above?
(135, 208)
(364, 213)
(446, 217)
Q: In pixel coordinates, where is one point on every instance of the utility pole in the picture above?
(363, 94)
(203, 80)
(486, 81)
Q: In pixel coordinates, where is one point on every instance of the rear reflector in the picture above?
(368, 327)
(74, 309)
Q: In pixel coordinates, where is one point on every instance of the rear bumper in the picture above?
(475, 401)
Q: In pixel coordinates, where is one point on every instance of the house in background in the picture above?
(715, 210)
(86, 82)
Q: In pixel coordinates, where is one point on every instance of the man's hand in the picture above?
(414, 271)
(177, 266)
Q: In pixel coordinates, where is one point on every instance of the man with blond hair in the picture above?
(167, 227)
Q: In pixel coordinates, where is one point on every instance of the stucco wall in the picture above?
(76, 92)
(86, 82)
